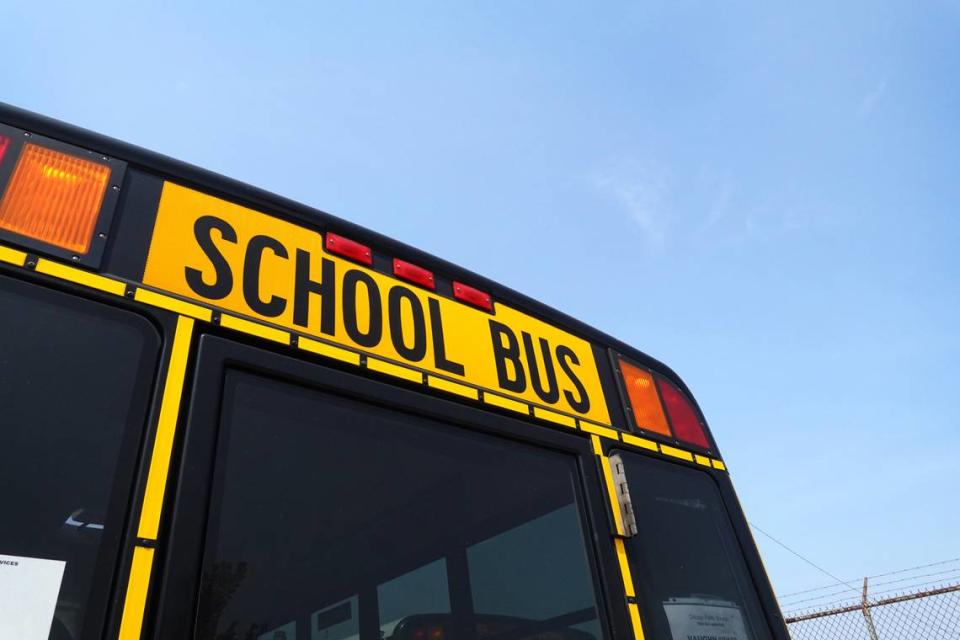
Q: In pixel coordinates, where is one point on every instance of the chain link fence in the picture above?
(921, 614)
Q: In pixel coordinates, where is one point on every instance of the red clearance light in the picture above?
(413, 273)
(683, 417)
(4, 145)
(348, 248)
(467, 294)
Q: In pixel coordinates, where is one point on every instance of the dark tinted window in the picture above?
(690, 574)
(333, 519)
(74, 376)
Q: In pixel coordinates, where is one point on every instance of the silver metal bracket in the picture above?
(622, 490)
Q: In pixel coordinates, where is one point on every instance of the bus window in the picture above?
(513, 573)
(74, 379)
(337, 622)
(347, 520)
(421, 591)
(689, 573)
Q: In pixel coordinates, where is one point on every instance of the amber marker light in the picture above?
(644, 400)
(54, 197)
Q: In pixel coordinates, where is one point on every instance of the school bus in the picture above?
(229, 416)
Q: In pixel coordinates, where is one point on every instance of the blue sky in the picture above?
(764, 197)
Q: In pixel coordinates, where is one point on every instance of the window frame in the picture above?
(757, 576)
(104, 603)
(177, 580)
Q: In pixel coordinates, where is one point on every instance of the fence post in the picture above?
(867, 617)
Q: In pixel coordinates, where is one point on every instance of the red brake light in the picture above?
(683, 417)
(348, 248)
(467, 294)
(413, 273)
(4, 145)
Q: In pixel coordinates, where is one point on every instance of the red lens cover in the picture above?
(413, 273)
(472, 296)
(348, 248)
(683, 417)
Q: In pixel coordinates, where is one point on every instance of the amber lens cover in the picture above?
(54, 197)
(644, 400)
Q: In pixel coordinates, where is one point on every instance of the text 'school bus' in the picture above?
(228, 416)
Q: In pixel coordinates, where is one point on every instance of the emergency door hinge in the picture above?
(622, 491)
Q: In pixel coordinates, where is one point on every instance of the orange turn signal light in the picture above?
(644, 400)
(54, 197)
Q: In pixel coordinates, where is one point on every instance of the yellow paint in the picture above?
(701, 460)
(135, 602)
(677, 453)
(600, 431)
(624, 563)
(635, 621)
(12, 256)
(553, 416)
(717, 464)
(467, 332)
(505, 403)
(395, 370)
(452, 387)
(180, 307)
(166, 430)
(640, 442)
(328, 351)
(597, 445)
(612, 495)
(80, 276)
(254, 328)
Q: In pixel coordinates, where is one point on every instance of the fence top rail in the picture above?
(875, 603)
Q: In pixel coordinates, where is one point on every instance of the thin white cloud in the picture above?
(721, 188)
(641, 195)
(870, 101)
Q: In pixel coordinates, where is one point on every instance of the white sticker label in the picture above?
(704, 619)
(28, 596)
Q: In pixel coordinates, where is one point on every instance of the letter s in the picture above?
(223, 281)
(566, 357)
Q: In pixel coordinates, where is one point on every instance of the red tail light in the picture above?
(348, 248)
(683, 417)
(4, 145)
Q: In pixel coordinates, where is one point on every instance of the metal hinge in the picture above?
(622, 490)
